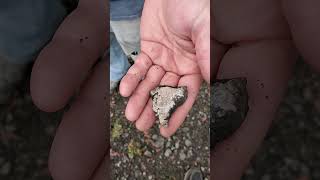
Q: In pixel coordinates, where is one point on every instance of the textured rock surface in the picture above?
(229, 100)
(165, 101)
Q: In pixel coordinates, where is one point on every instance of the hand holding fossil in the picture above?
(173, 53)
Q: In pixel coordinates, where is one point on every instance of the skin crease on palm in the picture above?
(259, 40)
(66, 66)
(175, 51)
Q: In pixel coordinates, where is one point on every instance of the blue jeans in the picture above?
(118, 60)
(124, 42)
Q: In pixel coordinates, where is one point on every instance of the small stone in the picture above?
(187, 142)
(168, 153)
(154, 137)
(137, 174)
(177, 145)
(308, 94)
(190, 153)
(9, 117)
(185, 129)
(5, 168)
(182, 156)
(266, 177)
(159, 143)
(168, 144)
(147, 153)
(165, 100)
(125, 135)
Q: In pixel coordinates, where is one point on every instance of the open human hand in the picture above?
(69, 63)
(175, 51)
(259, 40)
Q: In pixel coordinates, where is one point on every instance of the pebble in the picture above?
(125, 135)
(148, 153)
(5, 168)
(168, 144)
(10, 128)
(159, 143)
(182, 156)
(177, 145)
(187, 142)
(185, 129)
(190, 153)
(307, 93)
(50, 130)
(137, 174)
(168, 152)
(266, 177)
(154, 137)
(9, 117)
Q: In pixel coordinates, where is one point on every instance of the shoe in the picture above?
(193, 174)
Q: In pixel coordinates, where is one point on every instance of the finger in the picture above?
(303, 18)
(81, 140)
(218, 51)
(140, 96)
(147, 117)
(102, 172)
(193, 83)
(65, 62)
(267, 66)
(135, 74)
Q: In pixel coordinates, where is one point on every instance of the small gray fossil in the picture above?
(229, 107)
(165, 100)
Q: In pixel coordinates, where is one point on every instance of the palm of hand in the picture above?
(167, 41)
(168, 57)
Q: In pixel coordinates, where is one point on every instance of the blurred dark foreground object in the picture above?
(229, 107)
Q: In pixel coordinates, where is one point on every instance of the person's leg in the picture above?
(127, 33)
(118, 62)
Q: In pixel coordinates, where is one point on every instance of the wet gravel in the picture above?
(137, 155)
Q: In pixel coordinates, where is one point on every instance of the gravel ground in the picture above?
(26, 134)
(137, 155)
(291, 150)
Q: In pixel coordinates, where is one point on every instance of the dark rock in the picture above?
(165, 100)
(229, 107)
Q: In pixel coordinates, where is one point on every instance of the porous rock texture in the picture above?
(229, 107)
(165, 100)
